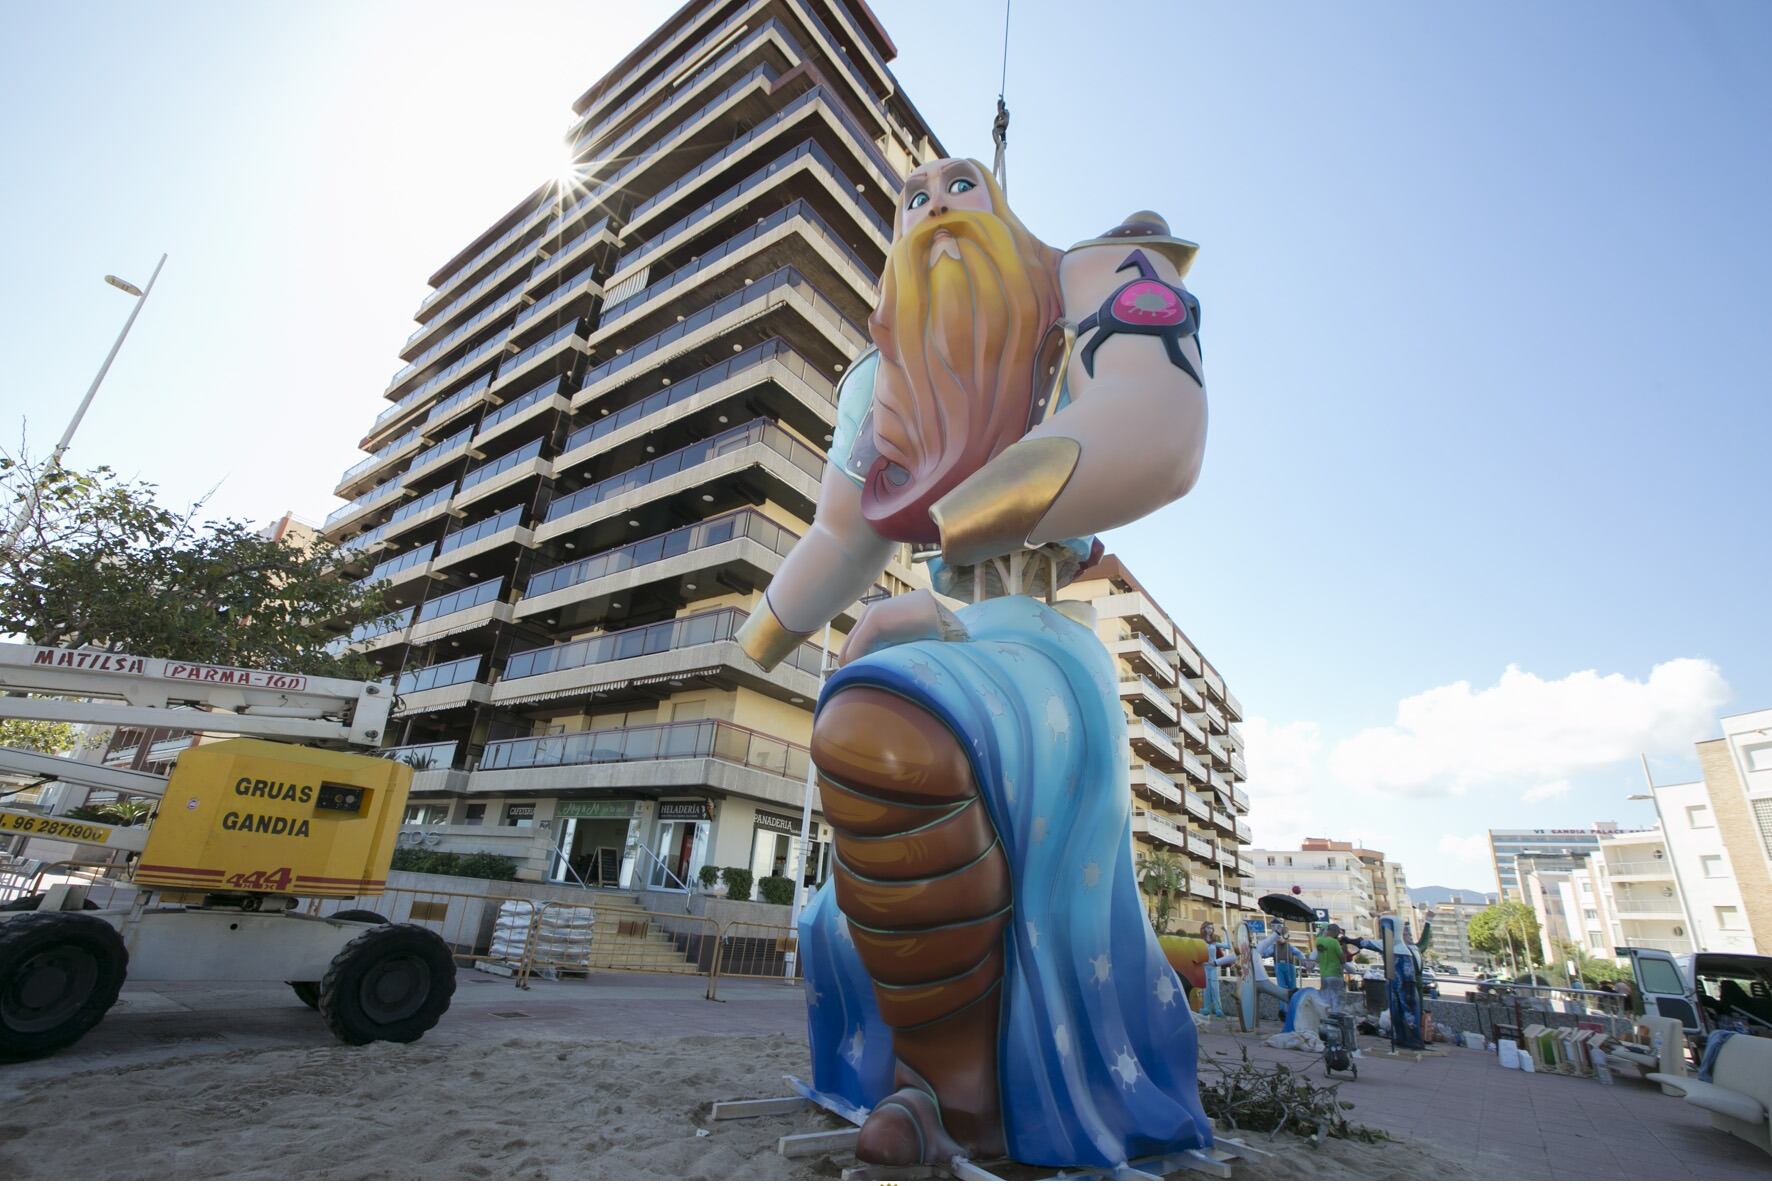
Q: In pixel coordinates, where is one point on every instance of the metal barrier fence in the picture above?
(622, 939)
(755, 950)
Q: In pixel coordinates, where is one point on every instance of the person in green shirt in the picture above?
(1329, 957)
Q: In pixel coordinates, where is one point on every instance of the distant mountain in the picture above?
(1433, 895)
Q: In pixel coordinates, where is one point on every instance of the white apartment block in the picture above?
(1333, 880)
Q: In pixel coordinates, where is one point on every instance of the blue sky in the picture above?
(1483, 301)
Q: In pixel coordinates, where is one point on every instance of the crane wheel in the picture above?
(388, 985)
(308, 991)
(59, 973)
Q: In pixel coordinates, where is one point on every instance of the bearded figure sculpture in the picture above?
(981, 976)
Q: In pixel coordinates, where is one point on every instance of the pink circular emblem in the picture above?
(1147, 302)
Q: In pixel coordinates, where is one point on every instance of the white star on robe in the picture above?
(993, 703)
(857, 1043)
(1102, 966)
(924, 673)
(1166, 989)
(1033, 933)
(1039, 832)
(1091, 875)
(1126, 1067)
(1057, 719)
(1061, 1038)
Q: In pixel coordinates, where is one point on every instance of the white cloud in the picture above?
(1284, 783)
(1555, 789)
(1526, 728)
(1469, 850)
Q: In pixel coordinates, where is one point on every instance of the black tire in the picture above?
(34, 901)
(59, 973)
(308, 991)
(388, 985)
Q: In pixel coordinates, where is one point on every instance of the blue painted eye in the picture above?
(921, 199)
(961, 185)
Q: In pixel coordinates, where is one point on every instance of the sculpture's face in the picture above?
(965, 299)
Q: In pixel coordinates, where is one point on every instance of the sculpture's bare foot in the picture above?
(905, 1129)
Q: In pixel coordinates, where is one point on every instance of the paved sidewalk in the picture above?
(1508, 1124)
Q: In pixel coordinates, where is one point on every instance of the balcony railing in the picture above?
(663, 144)
(1159, 784)
(709, 533)
(474, 532)
(509, 461)
(522, 357)
(484, 254)
(781, 278)
(473, 358)
(362, 502)
(799, 208)
(466, 298)
(677, 634)
(654, 57)
(460, 334)
(1639, 869)
(440, 448)
(651, 743)
(451, 603)
(565, 250)
(436, 755)
(378, 457)
(757, 432)
(801, 151)
(522, 404)
(389, 569)
(457, 399)
(568, 290)
(419, 506)
(773, 350)
(376, 627)
(440, 675)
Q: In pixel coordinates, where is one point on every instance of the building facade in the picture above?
(1732, 834)
(1390, 888)
(1546, 846)
(1335, 880)
(606, 431)
(1451, 941)
(1186, 746)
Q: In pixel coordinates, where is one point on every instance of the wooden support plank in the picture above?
(811, 1144)
(773, 1106)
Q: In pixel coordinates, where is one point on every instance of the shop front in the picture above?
(595, 842)
(680, 844)
(772, 848)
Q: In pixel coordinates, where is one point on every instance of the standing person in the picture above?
(1218, 955)
(1328, 949)
(1285, 959)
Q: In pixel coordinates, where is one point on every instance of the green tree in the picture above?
(1507, 929)
(100, 563)
(43, 737)
(1164, 878)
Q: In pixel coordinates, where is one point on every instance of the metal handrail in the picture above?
(664, 868)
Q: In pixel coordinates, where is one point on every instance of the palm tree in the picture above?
(1163, 876)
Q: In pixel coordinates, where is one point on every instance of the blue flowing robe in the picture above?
(1097, 1049)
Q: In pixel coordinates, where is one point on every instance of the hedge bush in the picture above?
(777, 891)
(487, 865)
(738, 883)
(709, 876)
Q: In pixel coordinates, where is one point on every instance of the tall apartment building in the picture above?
(1390, 888)
(1737, 803)
(606, 432)
(1451, 941)
(1328, 879)
(1186, 745)
(1564, 847)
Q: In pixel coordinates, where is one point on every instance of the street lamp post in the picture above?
(61, 447)
(1667, 841)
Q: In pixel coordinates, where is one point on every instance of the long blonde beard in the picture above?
(957, 344)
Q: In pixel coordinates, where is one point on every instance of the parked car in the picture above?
(1705, 990)
(1429, 985)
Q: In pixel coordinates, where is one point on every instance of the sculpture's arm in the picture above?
(1130, 440)
(834, 563)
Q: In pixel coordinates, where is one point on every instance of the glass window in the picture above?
(1728, 918)
(475, 814)
(1759, 757)
(1592, 914)
(519, 815)
(1660, 976)
(1713, 866)
(1698, 816)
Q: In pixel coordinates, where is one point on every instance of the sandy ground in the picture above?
(521, 1108)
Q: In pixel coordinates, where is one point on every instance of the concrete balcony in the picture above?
(347, 518)
(410, 516)
(1233, 707)
(1245, 866)
(514, 468)
(1190, 726)
(1149, 743)
(1141, 613)
(1194, 769)
(1241, 770)
(685, 755)
(1196, 807)
(1200, 847)
(439, 456)
(1243, 831)
(1156, 785)
(1189, 696)
(1203, 889)
(520, 413)
(1144, 658)
(440, 698)
(1158, 830)
(1647, 906)
(1239, 797)
(533, 362)
(1221, 783)
(1639, 871)
(1148, 700)
(481, 537)
(664, 657)
(1187, 659)
(472, 615)
(365, 474)
(1221, 757)
(1214, 714)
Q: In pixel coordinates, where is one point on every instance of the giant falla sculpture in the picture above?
(980, 973)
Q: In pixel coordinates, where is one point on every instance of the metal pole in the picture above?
(61, 446)
(1667, 841)
(824, 665)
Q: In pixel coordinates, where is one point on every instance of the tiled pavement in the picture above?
(1508, 1124)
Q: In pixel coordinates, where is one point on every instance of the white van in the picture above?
(1704, 990)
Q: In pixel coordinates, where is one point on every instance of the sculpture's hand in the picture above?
(910, 617)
